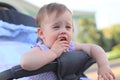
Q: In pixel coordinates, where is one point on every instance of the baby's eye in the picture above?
(56, 27)
(68, 27)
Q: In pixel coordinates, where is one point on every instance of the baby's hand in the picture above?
(105, 73)
(59, 47)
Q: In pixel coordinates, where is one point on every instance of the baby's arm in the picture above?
(37, 58)
(99, 55)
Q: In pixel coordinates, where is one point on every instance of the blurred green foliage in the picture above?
(113, 55)
(108, 38)
(116, 48)
(86, 31)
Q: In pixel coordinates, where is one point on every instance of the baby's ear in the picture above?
(40, 33)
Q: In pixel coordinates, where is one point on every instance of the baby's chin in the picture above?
(48, 45)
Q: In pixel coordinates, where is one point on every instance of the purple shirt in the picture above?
(48, 75)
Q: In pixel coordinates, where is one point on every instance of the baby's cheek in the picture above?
(51, 44)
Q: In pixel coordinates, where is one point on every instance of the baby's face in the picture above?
(53, 27)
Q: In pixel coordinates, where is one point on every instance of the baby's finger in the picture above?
(106, 77)
(112, 75)
(100, 77)
(65, 46)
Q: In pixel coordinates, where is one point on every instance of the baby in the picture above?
(55, 29)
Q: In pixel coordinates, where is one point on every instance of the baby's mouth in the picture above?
(63, 39)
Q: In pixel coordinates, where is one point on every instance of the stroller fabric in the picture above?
(20, 33)
(10, 14)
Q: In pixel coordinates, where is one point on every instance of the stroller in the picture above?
(63, 67)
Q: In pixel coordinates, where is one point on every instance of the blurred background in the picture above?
(95, 21)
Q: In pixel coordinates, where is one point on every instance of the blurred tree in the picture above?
(110, 37)
(87, 31)
(115, 31)
(104, 41)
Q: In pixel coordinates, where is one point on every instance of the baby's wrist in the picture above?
(102, 66)
(53, 52)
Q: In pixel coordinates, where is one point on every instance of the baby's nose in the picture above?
(62, 32)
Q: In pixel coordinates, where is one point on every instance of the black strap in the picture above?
(7, 6)
(6, 75)
(17, 72)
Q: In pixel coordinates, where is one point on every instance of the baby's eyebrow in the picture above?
(69, 23)
(55, 24)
